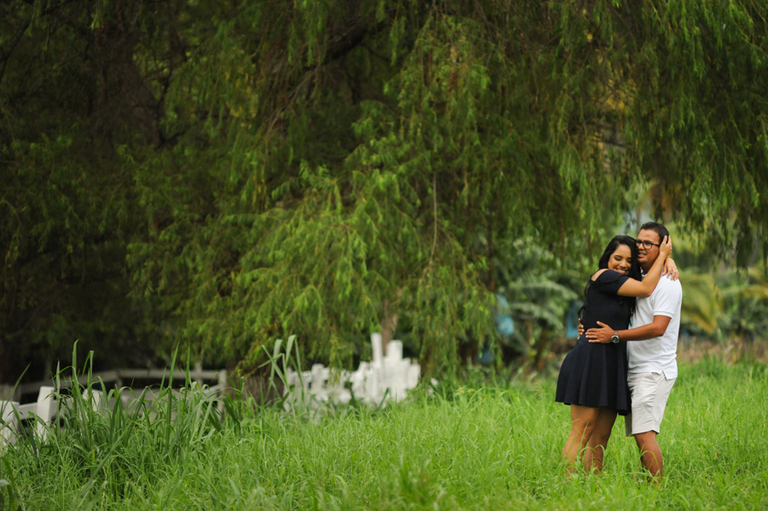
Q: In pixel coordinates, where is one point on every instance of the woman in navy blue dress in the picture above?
(593, 377)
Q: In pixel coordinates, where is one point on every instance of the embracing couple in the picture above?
(615, 369)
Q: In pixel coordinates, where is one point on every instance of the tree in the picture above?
(326, 169)
(442, 146)
(71, 97)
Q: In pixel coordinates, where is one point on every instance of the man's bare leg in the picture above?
(650, 454)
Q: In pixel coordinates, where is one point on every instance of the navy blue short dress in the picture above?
(595, 374)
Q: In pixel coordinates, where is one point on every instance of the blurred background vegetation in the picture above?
(214, 175)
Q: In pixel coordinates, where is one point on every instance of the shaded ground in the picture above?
(693, 350)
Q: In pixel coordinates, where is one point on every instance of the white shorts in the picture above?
(650, 392)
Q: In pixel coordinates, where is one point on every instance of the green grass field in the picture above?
(460, 448)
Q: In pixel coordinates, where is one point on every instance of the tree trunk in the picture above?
(5, 375)
(541, 346)
(388, 325)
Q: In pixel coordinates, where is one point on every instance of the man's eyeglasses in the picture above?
(647, 244)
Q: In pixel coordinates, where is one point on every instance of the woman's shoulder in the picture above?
(606, 274)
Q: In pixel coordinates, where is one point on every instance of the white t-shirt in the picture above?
(660, 353)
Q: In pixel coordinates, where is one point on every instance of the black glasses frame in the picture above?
(647, 244)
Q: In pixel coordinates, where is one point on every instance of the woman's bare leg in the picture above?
(598, 441)
(583, 420)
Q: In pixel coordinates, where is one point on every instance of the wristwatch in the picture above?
(615, 338)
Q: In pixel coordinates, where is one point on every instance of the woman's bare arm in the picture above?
(644, 288)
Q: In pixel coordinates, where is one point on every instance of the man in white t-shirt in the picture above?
(653, 362)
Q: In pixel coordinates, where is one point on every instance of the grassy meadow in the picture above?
(459, 447)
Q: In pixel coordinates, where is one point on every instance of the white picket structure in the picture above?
(390, 376)
(44, 410)
(387, 376)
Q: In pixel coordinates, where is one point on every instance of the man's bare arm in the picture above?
(641, 333)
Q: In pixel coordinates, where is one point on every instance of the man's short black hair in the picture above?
(655, 226)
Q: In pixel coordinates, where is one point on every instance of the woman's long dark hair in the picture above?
(634, 269)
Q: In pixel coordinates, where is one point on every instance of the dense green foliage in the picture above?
(464, 447)
(223, 173)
